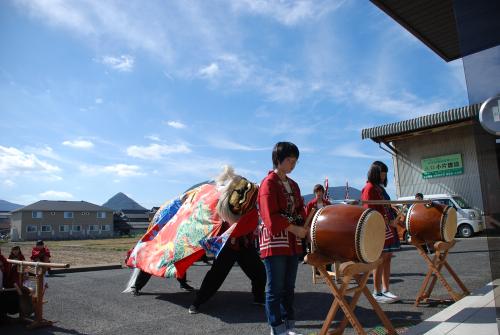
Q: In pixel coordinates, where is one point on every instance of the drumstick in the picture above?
(309, 218)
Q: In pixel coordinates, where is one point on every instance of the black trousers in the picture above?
(143, 278)
(249, 261)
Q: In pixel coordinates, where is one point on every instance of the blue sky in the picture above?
(150, 97)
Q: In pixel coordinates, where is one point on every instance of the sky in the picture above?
(150, 97)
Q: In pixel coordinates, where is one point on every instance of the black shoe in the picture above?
(186, 287)
(193, 309)
(135, 292)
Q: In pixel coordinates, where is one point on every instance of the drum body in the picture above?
(431, 222)
(347, 232)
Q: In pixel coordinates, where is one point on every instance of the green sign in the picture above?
(442, 166)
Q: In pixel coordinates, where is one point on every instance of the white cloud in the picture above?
(156, 151)
(121, 170)
(230, 145)
(123, 63)
(404, 106)
(14, 162)
(209, 71)
(176, 124)
(7, 183)
(79, 144)
(350, 150)
(98, 101)
(55, 195)
(287, 12)
(153, 138)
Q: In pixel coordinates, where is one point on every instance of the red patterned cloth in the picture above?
(40, 254)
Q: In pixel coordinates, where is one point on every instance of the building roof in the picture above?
(435, 22)
(62, 205)
(448, 117)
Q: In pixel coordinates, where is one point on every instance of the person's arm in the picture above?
(269, 209)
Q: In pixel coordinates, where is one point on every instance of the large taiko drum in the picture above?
(347, 232)
(430, 222)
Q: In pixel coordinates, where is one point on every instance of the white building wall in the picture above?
(408, 165)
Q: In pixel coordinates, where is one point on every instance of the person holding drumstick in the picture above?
(375, 190)
(282, 211)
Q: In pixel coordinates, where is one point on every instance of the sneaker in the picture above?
(382, 299)
(135, 292)
(186, 287)
(193, 309)
(293, 332)
(391, 295)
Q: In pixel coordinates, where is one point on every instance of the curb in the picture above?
(87, 268)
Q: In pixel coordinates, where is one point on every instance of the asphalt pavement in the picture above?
(92, 302)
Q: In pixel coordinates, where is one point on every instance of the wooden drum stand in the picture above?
(435, 265)
(348, 270)
(38, 269)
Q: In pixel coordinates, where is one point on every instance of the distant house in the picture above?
(4, 223)
(57, 219)
(129, 216)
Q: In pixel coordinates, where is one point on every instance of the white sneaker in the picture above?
(382, 299)
(293, 332)
(391, 295)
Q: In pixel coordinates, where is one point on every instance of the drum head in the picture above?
(370, 236)
(449, 228)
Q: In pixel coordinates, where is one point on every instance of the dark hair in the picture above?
(283, 150)
(376, 169)
(39, 242)
(419, 195)
(16, 247)
(318, 187)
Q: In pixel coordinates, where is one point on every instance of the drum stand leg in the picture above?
(40, 291)
(434, 273)
(335, 273)
(349, 270)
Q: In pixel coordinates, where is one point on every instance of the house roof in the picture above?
(62, 205)
(435, 24)
(448, 117)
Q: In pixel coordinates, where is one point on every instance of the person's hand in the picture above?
(298, 231)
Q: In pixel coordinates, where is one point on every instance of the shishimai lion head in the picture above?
(238, 195)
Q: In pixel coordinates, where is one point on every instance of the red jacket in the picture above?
(274, 239)
(374, 192)
(40, 255)
(312, 204)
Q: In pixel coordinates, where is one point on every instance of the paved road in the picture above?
(91, 302)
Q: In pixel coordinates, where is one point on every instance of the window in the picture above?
(36, 215)
(64, 228)
(462, 203)
(93, 227)
(76, 228)
(105, 227)
(46, 228)
(101, 215)
(31, 228)
(68, 215)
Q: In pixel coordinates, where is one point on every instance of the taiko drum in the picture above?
(347, 232)
(430, 222)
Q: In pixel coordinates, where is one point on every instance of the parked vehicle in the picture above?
(470, 220)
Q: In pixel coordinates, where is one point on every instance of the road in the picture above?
(92, 302)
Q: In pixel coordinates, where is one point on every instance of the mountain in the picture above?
(337, 193)
(120, 202)
(6, 206)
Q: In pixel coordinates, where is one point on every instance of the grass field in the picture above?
(79, 252)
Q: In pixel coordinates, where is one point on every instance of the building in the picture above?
(130, 217)
(447, 152)
(4, 223)
(51, 220)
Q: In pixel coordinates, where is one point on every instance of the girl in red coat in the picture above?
(282, 211)
(374, 190)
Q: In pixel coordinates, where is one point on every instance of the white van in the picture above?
(470, 220)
